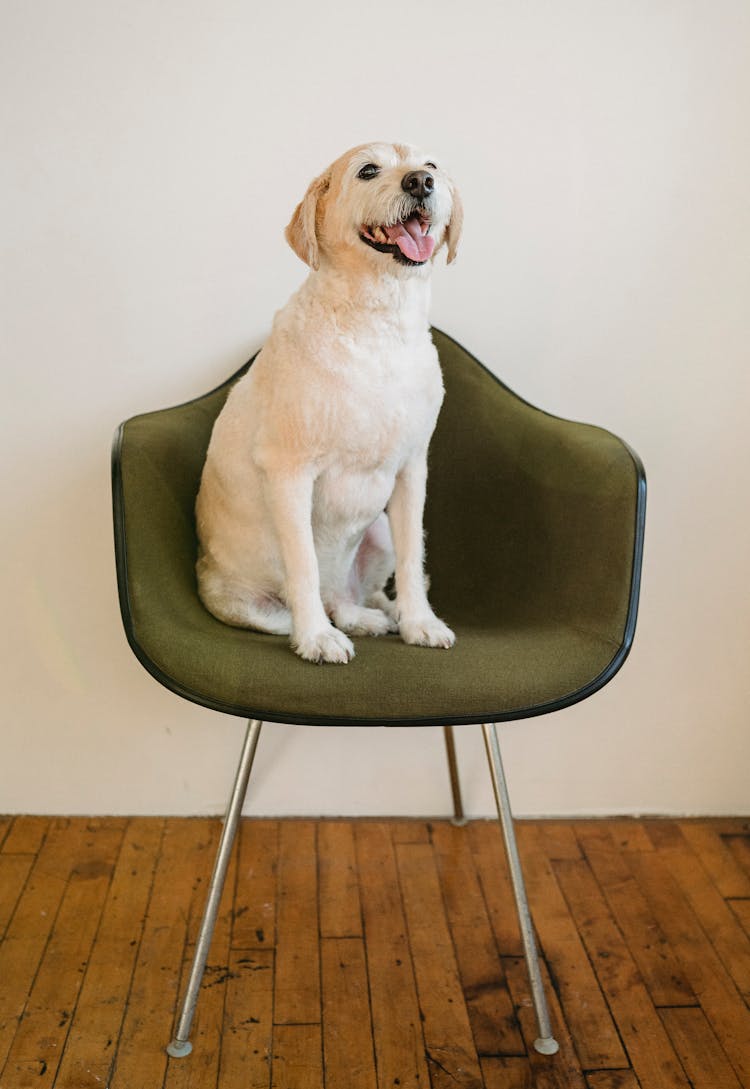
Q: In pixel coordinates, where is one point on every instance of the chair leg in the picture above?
(458, 808)
(545, 1044)
(180, 1045)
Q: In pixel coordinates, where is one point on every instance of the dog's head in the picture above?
(378, 203)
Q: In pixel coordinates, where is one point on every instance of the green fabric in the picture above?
(531, 527)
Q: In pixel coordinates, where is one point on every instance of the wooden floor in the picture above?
(375, 955)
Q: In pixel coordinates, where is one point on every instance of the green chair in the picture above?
(534, 543)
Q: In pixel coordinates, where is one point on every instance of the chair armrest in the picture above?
(531, 518)
(157, 460)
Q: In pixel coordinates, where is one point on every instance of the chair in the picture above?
(535, 535)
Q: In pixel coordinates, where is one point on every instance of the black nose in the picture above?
(418, 184)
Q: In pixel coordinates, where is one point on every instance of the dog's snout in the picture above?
(418, 183)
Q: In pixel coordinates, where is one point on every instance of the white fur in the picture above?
(329, 429)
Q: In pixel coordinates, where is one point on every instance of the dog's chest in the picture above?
(387, 407)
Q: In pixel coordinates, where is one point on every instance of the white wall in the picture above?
(152, 154)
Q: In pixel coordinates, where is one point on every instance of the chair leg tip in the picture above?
(179, 1049)
(546, 1045)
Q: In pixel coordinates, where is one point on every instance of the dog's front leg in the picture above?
(289, 499)
(416, 621)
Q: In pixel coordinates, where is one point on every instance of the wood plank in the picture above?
(700, 1052)
(586, 1012)
(718, 860)
(560, 1071)
(206, 1034)
(447, 1032)
(254, 925)
(94, 959)
(182, 871)
(663, 833)
(14, 872)
(651, 1054)
(612, 1079)
(207, 834)
(297, 969)
(716, 917)
(30, 1073)
(22, 949)
(340, 909)
(5, 826)
(91, 1044)
(493, 1022)
(739, 845)
(724, 826)
(504, 1073)
(725, 1011)
(559, 838)
(297, 1057)
(26, 835)
(41, 1035)
(656, 961)
(248, 1021)
(397, 1028)
(628, 834)
(29, 930)
(741, 909)
(410, 831)
(347, 1029)
(728, 826)
(491, 865)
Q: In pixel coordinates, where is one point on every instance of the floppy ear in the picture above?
(301, 234)
(454, 228)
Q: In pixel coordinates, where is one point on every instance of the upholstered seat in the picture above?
(534, 529)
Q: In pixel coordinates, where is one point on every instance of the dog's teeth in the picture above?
(379, 234)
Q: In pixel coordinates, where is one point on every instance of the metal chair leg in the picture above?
(458, 808)
(545, 1044)
(180, 1045)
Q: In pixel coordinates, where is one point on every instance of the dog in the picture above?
(313, 489)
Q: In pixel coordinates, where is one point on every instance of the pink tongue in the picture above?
(410, 240)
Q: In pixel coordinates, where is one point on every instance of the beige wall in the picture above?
(152, 154)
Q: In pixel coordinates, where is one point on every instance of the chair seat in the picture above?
(489, 675)
(534, 542)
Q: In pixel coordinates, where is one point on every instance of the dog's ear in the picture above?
(455, 226)
(302, 233)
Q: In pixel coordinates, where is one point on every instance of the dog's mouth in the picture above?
(408, 240)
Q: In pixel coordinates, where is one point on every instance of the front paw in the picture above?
(327, 645)
(426, 631)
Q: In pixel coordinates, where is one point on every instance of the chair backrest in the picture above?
(530, 519)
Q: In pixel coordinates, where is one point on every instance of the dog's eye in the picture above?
(369, 170)
(432, 166)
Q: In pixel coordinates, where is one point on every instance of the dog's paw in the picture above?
(426, 631)
(357, 620)
(328, 645)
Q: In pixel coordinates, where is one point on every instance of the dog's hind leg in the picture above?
(240, 607)
(375, 564)
(366, 610)
(261, 613)
(362, 620)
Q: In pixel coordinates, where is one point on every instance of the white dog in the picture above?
(329, 428)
